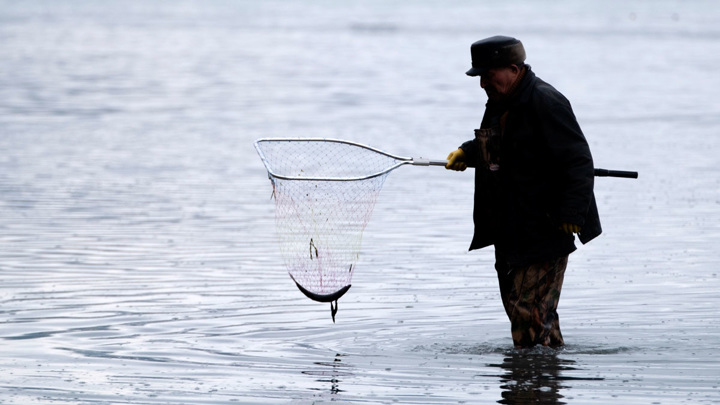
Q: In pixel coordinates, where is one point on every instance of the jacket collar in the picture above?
(522, 95)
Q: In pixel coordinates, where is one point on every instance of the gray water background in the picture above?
(138, 263)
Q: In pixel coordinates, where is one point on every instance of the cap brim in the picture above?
(475, 71)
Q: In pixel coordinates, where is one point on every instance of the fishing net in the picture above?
(324, 192)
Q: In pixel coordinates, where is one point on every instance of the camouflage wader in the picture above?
(530, 296)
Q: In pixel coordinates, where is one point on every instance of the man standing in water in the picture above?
(533, 187)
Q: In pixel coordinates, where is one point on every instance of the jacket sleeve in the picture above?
(472, 152)
(570, 155)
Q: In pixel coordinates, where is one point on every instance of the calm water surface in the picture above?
(138, 263)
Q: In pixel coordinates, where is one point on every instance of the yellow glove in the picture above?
(456, 160)
(569, 228)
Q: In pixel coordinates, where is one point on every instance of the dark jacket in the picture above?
(534, 171)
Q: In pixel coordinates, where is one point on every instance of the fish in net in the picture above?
(325, 191)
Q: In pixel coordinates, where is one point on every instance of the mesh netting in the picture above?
(324, 192)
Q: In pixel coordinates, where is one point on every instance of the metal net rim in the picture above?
(273, 174)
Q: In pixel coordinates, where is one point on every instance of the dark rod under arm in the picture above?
(598, 172)
(615, 173)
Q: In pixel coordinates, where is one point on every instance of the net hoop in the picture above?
(400, 160)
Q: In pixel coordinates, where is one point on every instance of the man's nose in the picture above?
(482, 82)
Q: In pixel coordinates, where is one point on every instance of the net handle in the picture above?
(597, 172)
(427, 162)
(402, 160)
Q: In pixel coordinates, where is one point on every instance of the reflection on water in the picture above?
(535, 376)
(330, 374)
